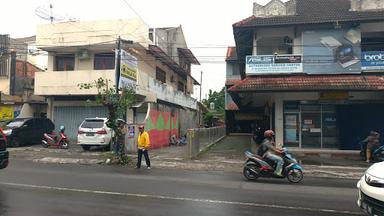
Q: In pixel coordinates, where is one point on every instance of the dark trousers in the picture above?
(140, 152)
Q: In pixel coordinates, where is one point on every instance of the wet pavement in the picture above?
(225, 156)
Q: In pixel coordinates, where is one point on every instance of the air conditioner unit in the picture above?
(83, 54)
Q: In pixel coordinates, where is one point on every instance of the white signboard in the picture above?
(128, 70)
(273, 64)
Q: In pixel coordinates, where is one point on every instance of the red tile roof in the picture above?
(230, 82)
(314, 11)
(311, 83)
(231, 54)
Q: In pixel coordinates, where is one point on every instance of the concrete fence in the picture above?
(200, 139)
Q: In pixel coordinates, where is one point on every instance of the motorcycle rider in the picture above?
(268, 150)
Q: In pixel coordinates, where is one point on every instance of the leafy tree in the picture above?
(218, 98)
(117, 102)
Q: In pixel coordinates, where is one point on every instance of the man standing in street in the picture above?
(143, 144)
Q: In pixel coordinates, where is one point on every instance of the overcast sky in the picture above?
(207, 24)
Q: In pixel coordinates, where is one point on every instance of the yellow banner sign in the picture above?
(6, 112)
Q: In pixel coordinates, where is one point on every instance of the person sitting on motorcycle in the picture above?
(268, 150)
(373, 142)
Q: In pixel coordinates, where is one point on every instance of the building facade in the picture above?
(82, 52)
(17, 81)
(311, 70)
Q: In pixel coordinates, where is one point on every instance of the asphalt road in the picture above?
(31, 189)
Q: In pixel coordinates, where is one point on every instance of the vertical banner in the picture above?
(128, 70)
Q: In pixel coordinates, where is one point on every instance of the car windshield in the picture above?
(93, 123)
(16, 123)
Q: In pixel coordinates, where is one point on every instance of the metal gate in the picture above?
(71, 117)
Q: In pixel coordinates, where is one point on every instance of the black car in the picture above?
(23, 131)
(4, 155)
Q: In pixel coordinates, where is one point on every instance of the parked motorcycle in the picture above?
(60, 141)
(255, 167)
(377, 154)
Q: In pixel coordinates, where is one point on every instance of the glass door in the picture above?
(291, 130)
(311, 127)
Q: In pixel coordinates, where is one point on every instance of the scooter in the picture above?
(51, 139)
(255, 167)
(377, 154)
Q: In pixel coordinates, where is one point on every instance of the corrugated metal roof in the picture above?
(188, 55)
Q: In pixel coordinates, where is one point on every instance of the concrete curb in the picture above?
(230, 166)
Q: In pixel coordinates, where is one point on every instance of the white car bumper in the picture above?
(371, 199)
(101, 140)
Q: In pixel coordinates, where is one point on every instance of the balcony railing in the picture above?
(66, 83)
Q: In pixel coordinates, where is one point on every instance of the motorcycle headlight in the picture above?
(7, 132)
(374, 181)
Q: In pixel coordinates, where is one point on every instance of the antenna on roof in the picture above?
(47, 14)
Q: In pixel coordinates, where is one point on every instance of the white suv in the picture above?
(371, 190)
(94, 132)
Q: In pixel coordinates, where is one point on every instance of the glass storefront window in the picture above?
(310, 126)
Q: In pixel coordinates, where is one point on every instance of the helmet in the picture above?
(269, 133)
(62, 128)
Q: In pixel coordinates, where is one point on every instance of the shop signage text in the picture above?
(373, 60)
(273, 64)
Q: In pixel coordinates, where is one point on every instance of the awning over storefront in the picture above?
(309, 83)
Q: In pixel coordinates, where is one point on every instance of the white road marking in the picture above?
(258, 205)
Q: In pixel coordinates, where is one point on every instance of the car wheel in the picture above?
(86, 147)
(15, 142)
(108, 147)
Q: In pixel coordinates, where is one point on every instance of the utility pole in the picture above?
(118, 59)
(201, 83)
(12, 84)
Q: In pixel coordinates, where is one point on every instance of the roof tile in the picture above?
(314, 11)
(310, 83)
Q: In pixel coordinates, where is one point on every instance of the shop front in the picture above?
(310, 125)
(317, 111)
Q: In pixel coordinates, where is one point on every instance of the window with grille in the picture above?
(4, 65)
(180, 86)
(104, 61)
(65, 62)
(160, 75)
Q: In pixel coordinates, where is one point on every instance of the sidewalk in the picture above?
(219, 159)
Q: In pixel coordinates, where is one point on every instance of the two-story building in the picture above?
(16, 81)
(82, 52)
(312, 70)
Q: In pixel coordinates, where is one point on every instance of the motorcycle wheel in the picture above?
(295, 175)
(44, 144)
(251, 172)
(64, 145)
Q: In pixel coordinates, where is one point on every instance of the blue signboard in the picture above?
(373, 60)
